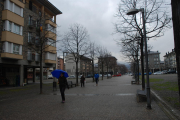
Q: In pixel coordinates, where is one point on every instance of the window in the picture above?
(16, 29)
(15, 49)
(11, 6)
(29, 37)
(17, 9)
(51, 42)
(37, 23)
(4, 26)
(30, 5)
(10, 26)
(30, 20)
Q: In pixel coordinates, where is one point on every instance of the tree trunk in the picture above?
(93, 69)
(77, 73)
(41, 71)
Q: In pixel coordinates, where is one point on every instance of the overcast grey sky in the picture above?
(97, 16)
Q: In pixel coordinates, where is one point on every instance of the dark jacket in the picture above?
(63, 82)
(82, 78)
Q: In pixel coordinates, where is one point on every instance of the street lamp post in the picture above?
(132, 12)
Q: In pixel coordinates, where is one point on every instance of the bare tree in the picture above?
(76, 42)
(92, 55)
(40, 40)
(101, 54)
(107, 60)
(157, 18)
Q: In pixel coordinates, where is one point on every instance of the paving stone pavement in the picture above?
(112, 99)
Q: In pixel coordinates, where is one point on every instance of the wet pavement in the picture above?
(112, 99)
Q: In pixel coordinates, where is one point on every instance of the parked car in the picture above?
(171, 71)
(71, 77)
(158, 73)
(89, 76)
(118, 74)
(107, 75)
(50, 77)
(165, 71)
(100, 75)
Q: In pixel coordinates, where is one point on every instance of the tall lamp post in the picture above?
(132, 12)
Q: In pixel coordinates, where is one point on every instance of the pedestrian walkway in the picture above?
(112, 99)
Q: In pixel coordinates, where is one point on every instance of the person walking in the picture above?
(62, 81)
(82, 80)
(96, 78)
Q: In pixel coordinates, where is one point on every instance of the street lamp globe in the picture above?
(132, 11)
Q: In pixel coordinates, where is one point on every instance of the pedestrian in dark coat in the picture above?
(62, 81)
(82, 80)
(96, 78)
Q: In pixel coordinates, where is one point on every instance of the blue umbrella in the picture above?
(57, 73)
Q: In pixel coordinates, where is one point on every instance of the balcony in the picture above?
(11, 56)
(31, 24)
(50, 61)
(51, 35)
(31, 56)
(50, 49)
(19, 3)
(37, 58)
(37, 41)
(31, 40)
(8, 15)
(12, 37)
(48, 21)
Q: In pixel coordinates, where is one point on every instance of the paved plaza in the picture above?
(112, 99)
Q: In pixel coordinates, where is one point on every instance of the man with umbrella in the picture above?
(62, 81)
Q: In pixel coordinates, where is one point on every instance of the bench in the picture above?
(70, 83)
(141, 95)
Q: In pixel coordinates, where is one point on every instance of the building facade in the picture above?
(28, 25)
(153, 61)
(84, 65)
(60, 63)
(170, 60)
(109, 65)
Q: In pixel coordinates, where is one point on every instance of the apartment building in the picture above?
(170, 60)
(60, 63)
(84, 65)
(27, 26)
(153, 61)
(109, 65)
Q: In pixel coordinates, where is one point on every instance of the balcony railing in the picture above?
(31, 40)
(37, 58)
(31, 56)
(31, 23)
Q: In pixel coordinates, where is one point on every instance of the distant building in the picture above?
(153, 61)
(84, 65)
(170, 60)
(60, 63)
(112, 63)
(162, 65)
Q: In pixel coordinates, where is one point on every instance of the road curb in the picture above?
(171, 112)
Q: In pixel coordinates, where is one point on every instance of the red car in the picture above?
(117, 75)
